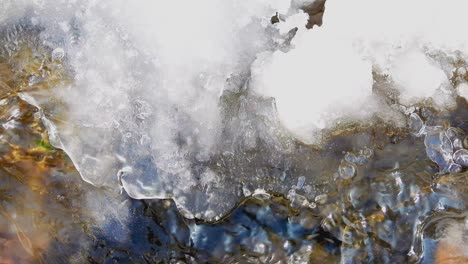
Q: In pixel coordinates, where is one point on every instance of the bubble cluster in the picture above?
(443, 146)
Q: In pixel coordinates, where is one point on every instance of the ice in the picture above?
(347, 170)
(462, 90)
(351, 157)
(321, 199)
(454, 133)
(439, 149)
(144, 110)
(456, 136)
(457, 144)
(184, 99)
(334, 64)
(454, 168)
(58, 54)
(420, 84)
(443, 146)
(311, 95)
(300, 182)
(461, 157)
(362, 157)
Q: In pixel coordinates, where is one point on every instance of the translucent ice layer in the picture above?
(144, 108)
(205, 102)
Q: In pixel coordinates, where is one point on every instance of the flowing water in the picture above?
(372, 193)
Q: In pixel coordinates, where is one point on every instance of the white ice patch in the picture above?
(320, 80)
(416, 76)
(328, 74)
(462, 90)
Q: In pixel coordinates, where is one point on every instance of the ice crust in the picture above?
(143, 110)
(328, 74)
(168, 95)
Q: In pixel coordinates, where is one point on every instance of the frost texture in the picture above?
(189, 99)
(145, 108)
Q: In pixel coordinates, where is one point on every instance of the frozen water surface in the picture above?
(199, 114)
(359, 122)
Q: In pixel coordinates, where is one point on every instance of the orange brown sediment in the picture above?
(447, 253)
(27, 161)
